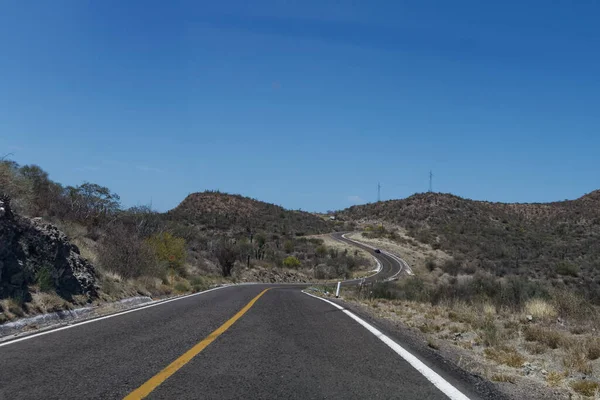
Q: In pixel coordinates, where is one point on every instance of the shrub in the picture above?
(571, 305)
(45, 279)
(585, 387)
(169, 250)
(489, 331)
(540, 309)
(182, 287)
(535, 347)
(198, 284)
(593, 349)
(321, 251)
(430, 264)
(555, 378)
(504, 378)
(288, 246)
(507, 356)
(291, 262)
(127, 255)
(576, 358)
(567, 269)
(432, 344)
(549, 337)
(226, 254)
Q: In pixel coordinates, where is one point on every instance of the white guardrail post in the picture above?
(337, 291)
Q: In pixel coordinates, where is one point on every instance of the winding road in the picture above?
(251, 341)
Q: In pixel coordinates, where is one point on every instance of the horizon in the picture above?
(306, 105)
(374, 202)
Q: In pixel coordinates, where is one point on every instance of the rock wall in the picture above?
(30, 245)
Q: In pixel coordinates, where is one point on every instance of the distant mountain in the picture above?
(222, 211)
(543, 240)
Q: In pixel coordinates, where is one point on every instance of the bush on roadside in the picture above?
(291, 262)
(127, 255)
(169, 250)
(45, 279)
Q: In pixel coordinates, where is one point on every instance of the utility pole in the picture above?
(378, 192)
(430, 181)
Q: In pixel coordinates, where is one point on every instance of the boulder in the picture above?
(28, 246)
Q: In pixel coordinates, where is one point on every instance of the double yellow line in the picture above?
(163, 375)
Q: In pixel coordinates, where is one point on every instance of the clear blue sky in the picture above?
(307, 104)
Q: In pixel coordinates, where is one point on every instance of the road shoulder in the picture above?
(452, 364)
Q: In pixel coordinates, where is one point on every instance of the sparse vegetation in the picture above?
(44, 279)
(504, 378)
(554, 242)
(291, 262)
(586, 387)
(549, 337)
(505, 355)
(540, 309)
(555, 378)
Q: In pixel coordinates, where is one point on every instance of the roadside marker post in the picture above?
(337, 291)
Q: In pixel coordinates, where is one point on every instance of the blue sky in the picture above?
(306, 104)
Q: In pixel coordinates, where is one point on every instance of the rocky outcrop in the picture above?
(30, 248)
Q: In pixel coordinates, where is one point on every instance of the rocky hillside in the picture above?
(222, 212)
(37, 253)
(557, 241)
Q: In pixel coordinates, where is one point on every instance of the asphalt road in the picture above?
(286, 345)
(389, 266)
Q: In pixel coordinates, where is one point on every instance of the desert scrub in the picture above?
(504, 378)
(44, 279)
(540, 309)
(549, 337)
(555, 378)
(505, 355)
(586, 387)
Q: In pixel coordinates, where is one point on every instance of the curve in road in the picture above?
(286, 345)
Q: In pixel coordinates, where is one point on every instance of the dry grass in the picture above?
(505, 355)
(586, 387)
(488, 309)
(428, 328)
(504, 378)
(12, 308)
(549, 337)
(555, 378)
(114, 276)
(576, 359)
(540, 309)
(593, 348)
(432, 344)
(45, 302)
(535, 347)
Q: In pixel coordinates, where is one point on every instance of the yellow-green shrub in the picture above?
(170, 250)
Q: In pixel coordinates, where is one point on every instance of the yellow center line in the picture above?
(163, 375)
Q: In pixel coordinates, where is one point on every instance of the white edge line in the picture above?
(62, 328)
(443, 385)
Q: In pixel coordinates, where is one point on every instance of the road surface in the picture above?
(238, 342)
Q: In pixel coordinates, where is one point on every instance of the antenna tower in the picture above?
(430, 181)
